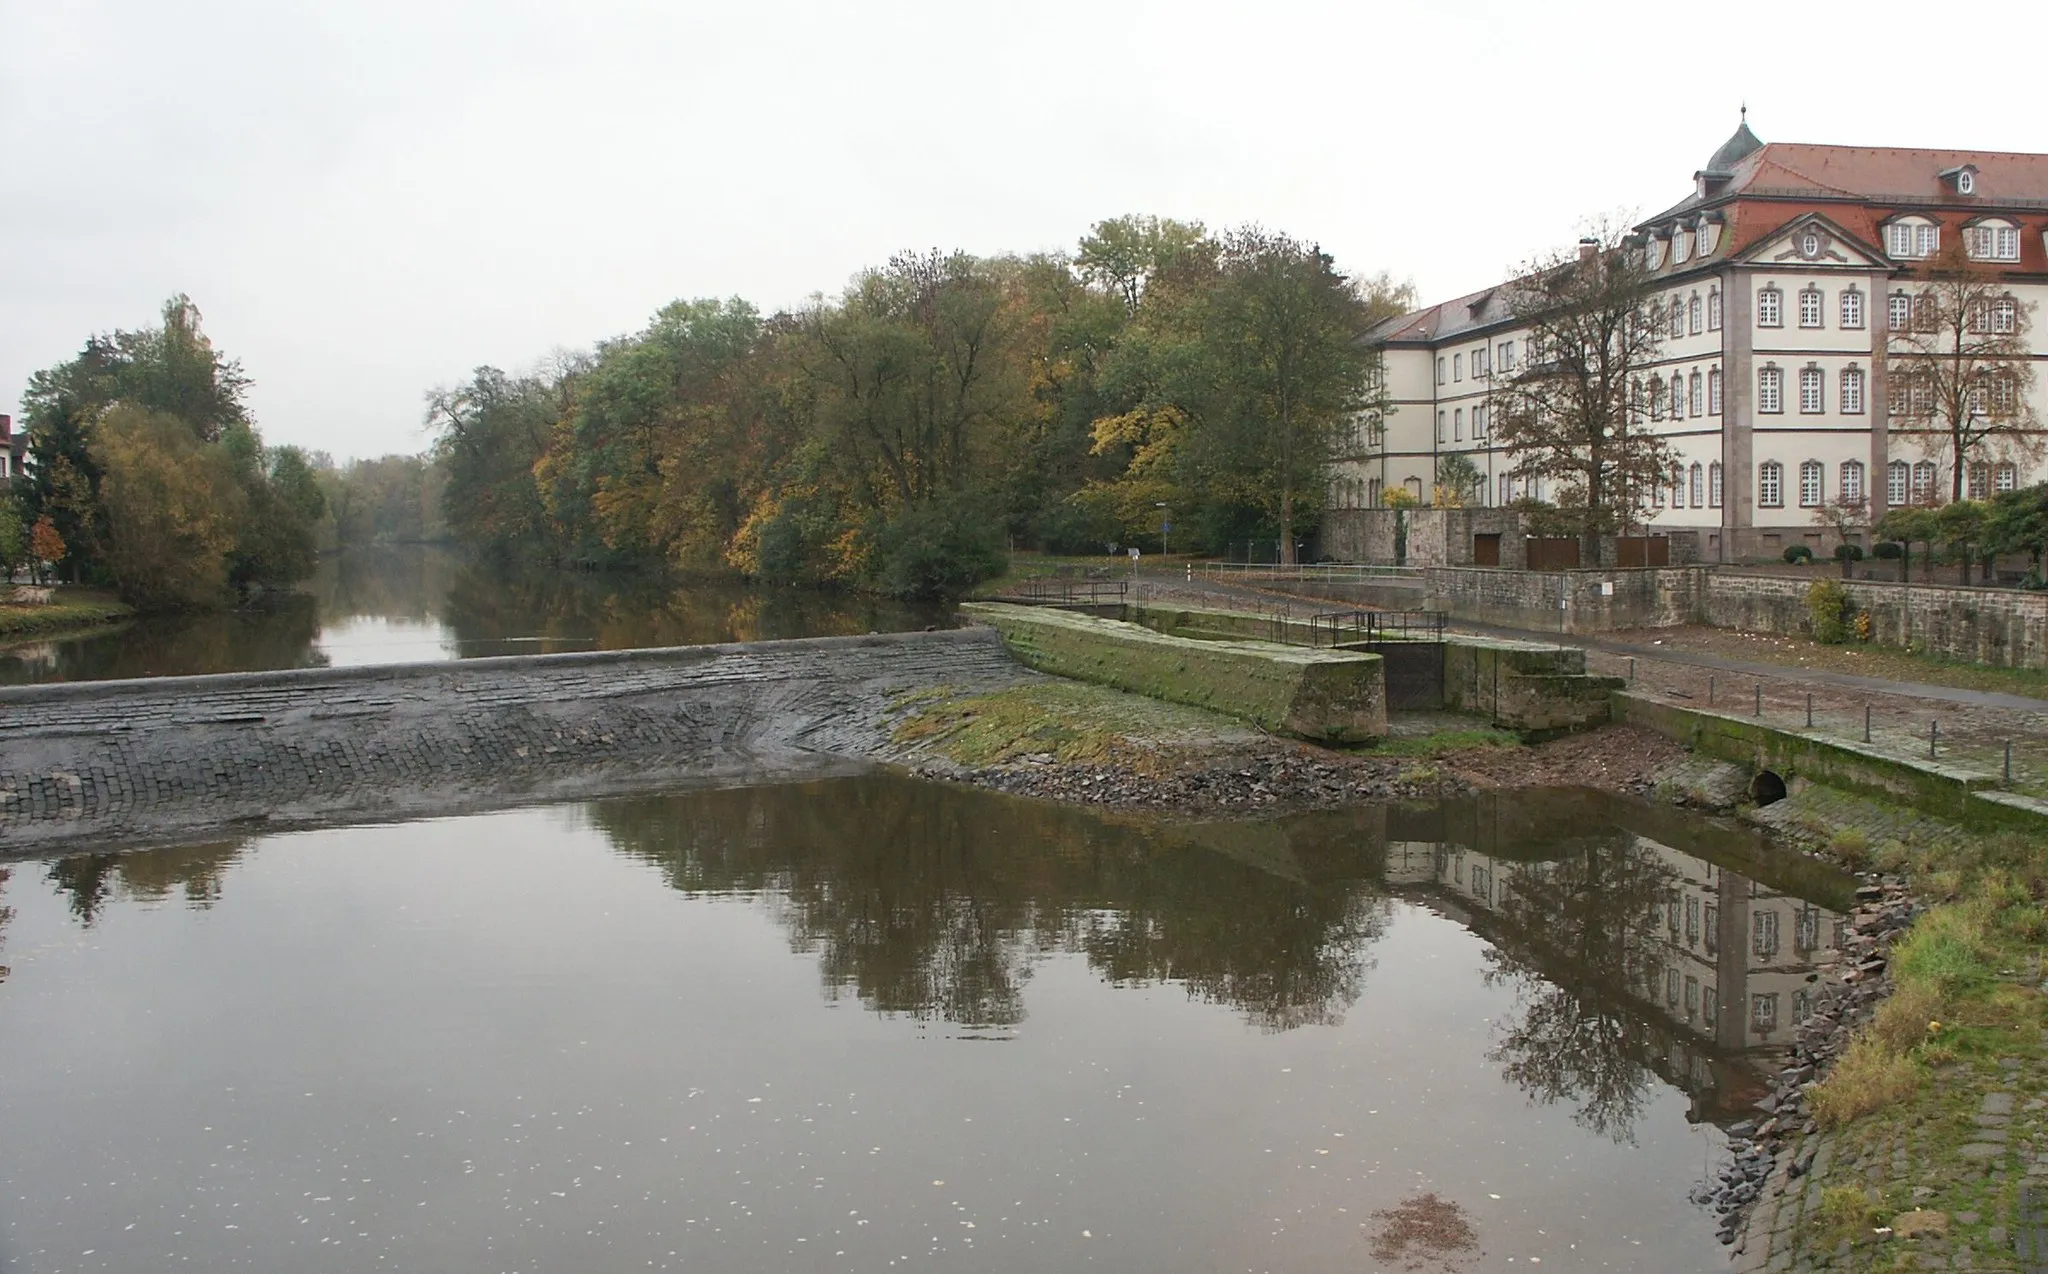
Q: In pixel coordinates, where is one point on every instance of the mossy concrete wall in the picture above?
(1322, 695)
(1526, 686)
(1962, 796)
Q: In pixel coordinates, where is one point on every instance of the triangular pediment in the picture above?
(1814, 241)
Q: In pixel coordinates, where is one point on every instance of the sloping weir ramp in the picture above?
(187, 757)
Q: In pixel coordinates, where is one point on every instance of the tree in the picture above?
(1124, 254)
(1961, 367)
(1960, 524)
(2018, 523)
(46, 546)
(1906, 525)
(13, 537)
(491, 434)
(1841, 517)
(172, 505)
(1457, 480)
(1572, 412)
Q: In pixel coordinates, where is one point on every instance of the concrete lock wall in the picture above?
(1525, 686)
(179, 757)
(1321, 695)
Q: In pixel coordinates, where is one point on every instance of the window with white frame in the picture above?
(1676, 317)
(1770, 307)
(1480, 367)
(1926, 317)
(1457, 367)
(1507, 356)
(1770, 390)
(1458, 425)
(1440, 420)
(1480, 417)
(1656, 398)
(1713, 391)
(2004, 391)
(1681, 247)
(1507, 490)
(1810, 303)
(1978, 483)
(2005, 315)
(1698, 484)
(1992, 241)
(1696, 393)
(1714, 485)
(1677, 486)
(1656, 496)
(1852, 482)
(1677, 396)
(1912, 239)
(1440, 371)
(1923, 481)
(1770, 485)
(1812, 484)
(1703, 240)
(1695, 315)
(1895, 483)
(1713, 309)
(1852, 308)
(1852, 391)
(2005, 476)
(1812, 397)
(1763, 1013)
(1900, 312)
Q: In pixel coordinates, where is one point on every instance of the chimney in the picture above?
(6, 428)
(1589, 247)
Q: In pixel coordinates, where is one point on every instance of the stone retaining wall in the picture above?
(1324, 695)
(178, 757)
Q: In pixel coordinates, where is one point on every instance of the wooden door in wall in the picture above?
(1486, 550)
(1552, 553)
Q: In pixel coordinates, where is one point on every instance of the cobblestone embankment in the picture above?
(175, 758)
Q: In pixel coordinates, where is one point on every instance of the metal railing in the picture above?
(1350, 627)
(1305, 570)
(1066, 591)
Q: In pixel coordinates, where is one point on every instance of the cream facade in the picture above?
(1782, 278)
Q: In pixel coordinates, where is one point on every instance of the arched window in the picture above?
(1507, 490)
(1979, 487)
(1656, 398)
(1812, 390)
(1373, 493)
(1852, 482)
(1714, 309)
(1812, 484)
(1676, 314)
(1895, 483)
(2005, 476)
(1923, 482)
(1912, 238)
(1810, 305)
(1713, 391)
(1414, 486)
(1770, 307)
(1458, 425)
(1677, 396)
(1852, 391)
(1699, 485)
(1899, 311)
(1714, 485)
(1852, 308)
(1992, 241)
(1770, 485)
(1695, 314)
(1696, 393)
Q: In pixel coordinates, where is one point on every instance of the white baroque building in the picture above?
(1785, 271)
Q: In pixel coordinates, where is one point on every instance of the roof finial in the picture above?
(1745, 112)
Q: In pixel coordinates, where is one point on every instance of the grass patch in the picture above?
(1851, 845)
(70, 610)
(1945, 952)
(1869, 1077)
(1442, 742)
(1070, 721)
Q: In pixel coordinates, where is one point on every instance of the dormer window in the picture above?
(1966, 182)
(1653, 253)
(1912, 239)
(1992, 241)
(1681, 247)
(1703, 240)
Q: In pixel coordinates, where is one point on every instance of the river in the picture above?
(405, 605)
(877, 1023)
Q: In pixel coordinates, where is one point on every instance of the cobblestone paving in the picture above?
(174, 757)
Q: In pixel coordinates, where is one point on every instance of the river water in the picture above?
(407, 605)
(875, 1023)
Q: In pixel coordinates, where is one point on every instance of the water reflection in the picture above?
(402, 605)
(593, 1036)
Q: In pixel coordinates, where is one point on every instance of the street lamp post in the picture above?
(1165, 528)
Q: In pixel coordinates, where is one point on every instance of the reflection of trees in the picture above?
(1579, 935)
(6, 915)
(935, 902)
(276, 633)
(90, 881)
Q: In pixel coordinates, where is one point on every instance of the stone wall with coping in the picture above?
(175, 758)
(1326, 696)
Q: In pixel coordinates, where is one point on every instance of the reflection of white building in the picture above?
(1781, 278)
(1732, 961)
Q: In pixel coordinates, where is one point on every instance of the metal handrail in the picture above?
(1068, 591)
(1370, 626)
(1308, 570)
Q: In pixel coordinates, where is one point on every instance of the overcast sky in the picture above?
(370, 198)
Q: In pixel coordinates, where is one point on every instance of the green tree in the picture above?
(1908, 525)
(491, 433)
(172, 504)
(13, 537)
(2018, 523)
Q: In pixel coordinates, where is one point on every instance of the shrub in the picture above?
(1846, 552)
(1798, 554)
(937, 550)
(1888, 550)
(1850, 845)
(1868, 1077)
(1902, 1020)
(1945, 949)
(1828, 603)
(1865, 627)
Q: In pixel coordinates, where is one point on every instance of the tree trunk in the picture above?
(1286, 527)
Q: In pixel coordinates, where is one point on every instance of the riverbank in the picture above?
(69, 611)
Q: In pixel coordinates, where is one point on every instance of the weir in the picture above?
(181, 757)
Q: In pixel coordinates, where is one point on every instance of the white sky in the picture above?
(370, 198)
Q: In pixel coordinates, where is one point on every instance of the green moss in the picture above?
(1443, 742)
(1069, 721)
